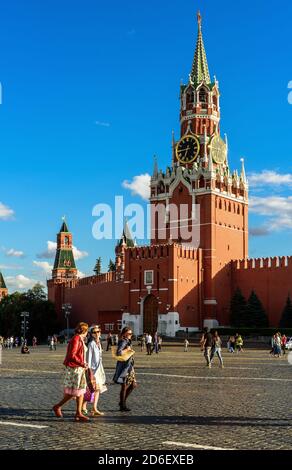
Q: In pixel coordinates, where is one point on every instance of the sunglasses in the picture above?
(95, 332)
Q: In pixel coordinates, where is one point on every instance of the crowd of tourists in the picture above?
(278, 344)
(11, 342)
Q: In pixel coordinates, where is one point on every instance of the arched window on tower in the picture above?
(161, 188)
(202, 182)
(203, 98)
(190, 99)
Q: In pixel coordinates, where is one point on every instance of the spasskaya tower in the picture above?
(200, 179)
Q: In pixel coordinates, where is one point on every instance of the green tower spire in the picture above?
(64, 266)
(2, 282)
(200, 69)
(127, 237)
(64, 227)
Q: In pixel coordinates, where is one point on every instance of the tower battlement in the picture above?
(162, 251)
(263, 263)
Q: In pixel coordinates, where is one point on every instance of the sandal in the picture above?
(97, 413)
(81, 418)
(57, 411)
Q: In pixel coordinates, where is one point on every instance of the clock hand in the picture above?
(184, 150)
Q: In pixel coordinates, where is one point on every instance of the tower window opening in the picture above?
(190, 98)
(203, 96)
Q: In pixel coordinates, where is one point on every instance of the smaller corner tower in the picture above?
(3, 288)
(64, 266)
(125, 242)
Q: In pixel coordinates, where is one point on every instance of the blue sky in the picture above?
(90, 93)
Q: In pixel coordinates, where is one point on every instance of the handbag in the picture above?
(124, 358)
(90, 379)
(89, 396)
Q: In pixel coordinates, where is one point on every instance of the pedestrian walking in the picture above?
(94, 361)
(277, 345)
(207, 346)
(34, 342)
(143, 343)
(52, 343)
(156, 343)
(231, 344)
(109, 341)
(149, 344)
(74, 373)
(238, 343)
(125, 373)
(284, 341)
(159, 343)
(217, 348)
(186, 344)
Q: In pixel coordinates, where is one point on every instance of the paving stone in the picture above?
(246, 405)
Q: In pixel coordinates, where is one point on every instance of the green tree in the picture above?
(238, 310)
(37, 292)
(97, 267)
(111, 266)
(256, 314)
(286, 320)
(42, 319)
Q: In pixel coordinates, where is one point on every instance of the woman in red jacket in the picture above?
(74, 374)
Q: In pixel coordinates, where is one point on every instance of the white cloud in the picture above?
(14, 253)
(81, 275)
(45, 266)
(79, 254)
(278, 209)
(50, 252)
(5, 212)
(102, 124)
(20, 282)
(140, 185)
(272, 178)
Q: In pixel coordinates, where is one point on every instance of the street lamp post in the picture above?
(67, 310)
(24, 323)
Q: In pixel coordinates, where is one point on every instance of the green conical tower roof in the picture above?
(127, 237)
(2, 282)
(200, 69)
(64, 228)
(64, 254)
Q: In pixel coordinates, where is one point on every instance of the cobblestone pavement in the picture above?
(179, 404)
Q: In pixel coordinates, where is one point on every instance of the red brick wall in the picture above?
(271, 284)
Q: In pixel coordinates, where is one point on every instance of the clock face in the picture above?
(218, 150)
(188, 149)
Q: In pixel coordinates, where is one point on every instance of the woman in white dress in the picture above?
(94, 361)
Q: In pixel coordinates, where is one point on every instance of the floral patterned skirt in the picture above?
(74, 381)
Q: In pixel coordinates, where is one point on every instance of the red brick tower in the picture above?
(199, 191)
(64, 266)
(125, 242)
(3, 288)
